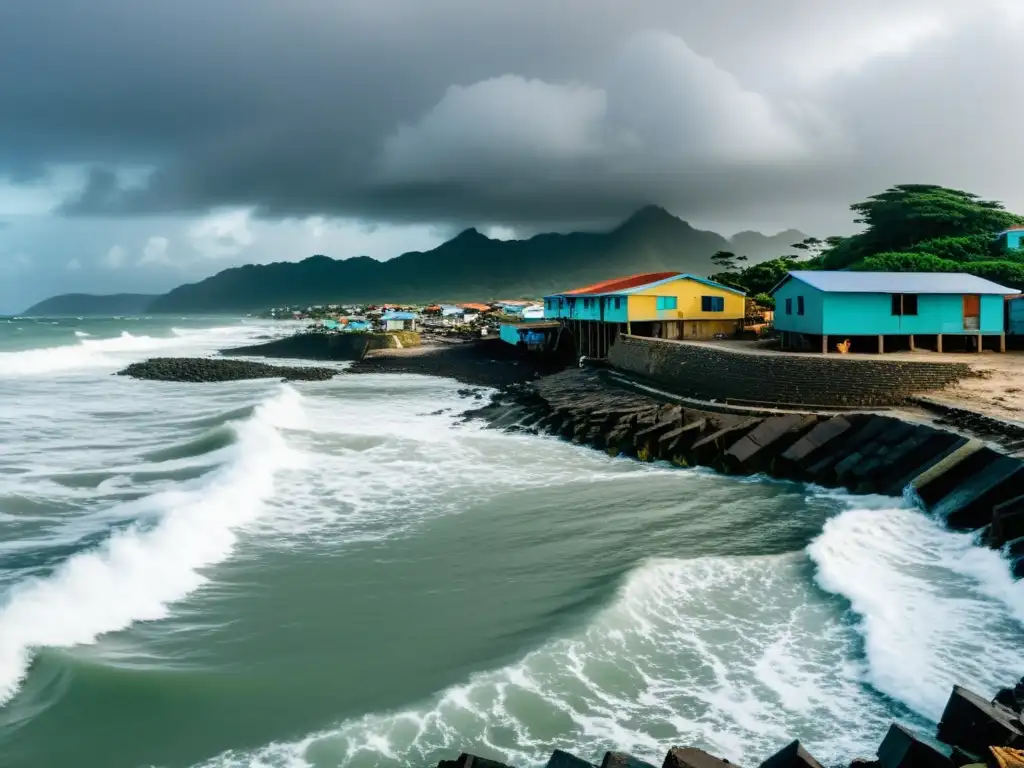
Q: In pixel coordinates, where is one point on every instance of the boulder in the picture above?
(791, 756)
(688, 757)
(646, 440)
(680, 439)
(903, 749)
(560, 759)
(205, 369)
(974, 724)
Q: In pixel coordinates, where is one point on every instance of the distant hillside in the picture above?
(74, 304)
(760, 247)
(472, 266)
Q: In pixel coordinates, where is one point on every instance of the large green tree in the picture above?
(907, 216)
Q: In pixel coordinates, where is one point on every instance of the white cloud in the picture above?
(73, 266)
(115, 257)
(661, 109)
(222, 234)
(155, 251)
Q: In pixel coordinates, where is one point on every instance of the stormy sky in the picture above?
(145, 144)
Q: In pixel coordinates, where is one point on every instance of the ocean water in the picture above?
(340, 574)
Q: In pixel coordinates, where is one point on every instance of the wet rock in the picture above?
(688, 757)
(903, 749)
(201, 369)
(974, 724)
(812, 445)
(969, 505)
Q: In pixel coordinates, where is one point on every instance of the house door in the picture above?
(972, 313)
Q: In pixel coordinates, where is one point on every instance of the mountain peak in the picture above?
(648, 215)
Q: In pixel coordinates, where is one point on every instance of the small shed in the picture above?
(890, 310)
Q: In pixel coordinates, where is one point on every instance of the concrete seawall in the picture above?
(710, 372)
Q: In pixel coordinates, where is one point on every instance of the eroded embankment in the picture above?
(961, 480)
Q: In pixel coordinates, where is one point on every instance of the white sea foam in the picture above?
(137, 573)
(935, 609)
(737, 655)
(92, 353)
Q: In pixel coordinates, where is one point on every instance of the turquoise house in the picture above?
(1012, 238)
(889, 311)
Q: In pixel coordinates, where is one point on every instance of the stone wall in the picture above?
(710, 372)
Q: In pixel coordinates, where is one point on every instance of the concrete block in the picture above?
(903, 749)
(791, 756)
(974, 724)
(471, 761)
(680, 439)
(1007, 522)
(969, 505)
(932, 484)
(688, 757)
(648, 437)
(814, 442)
(622, 760)
(560, 759)
(708, 448)
(920, 460)
(768, 439)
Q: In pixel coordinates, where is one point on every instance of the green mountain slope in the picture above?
(75, 304)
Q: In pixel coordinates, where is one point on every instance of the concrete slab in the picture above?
(688, 757)
(768, 439)
(902, 748)
(931, 484)
(622, 760)
(974, 724)
(560, 759)
(969, 506)
(791, 756)
(1007, 522)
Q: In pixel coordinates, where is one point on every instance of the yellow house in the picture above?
(670, 305)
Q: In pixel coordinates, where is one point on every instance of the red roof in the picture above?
(618, 284)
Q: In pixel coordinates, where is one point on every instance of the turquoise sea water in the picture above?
(335, 574)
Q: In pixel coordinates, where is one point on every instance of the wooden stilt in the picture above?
(980, 345)
(911, 342)
(938, 344)
(881, 344)
(1002, 342)
(824, 344)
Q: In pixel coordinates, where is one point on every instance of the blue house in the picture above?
(1012, 238)
(877, 311)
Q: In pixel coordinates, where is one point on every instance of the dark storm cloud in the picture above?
(518, 113)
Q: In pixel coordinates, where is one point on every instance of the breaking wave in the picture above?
(136, 573)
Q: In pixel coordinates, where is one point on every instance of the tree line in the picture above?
(908, 228)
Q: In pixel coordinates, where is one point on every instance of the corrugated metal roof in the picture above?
(619, 284)
(898, 282)
(399, 316)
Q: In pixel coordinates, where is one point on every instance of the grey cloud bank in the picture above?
(223, 127)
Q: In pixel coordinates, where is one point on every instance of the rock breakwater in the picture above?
(200, 369)
(963, 481)
(972, 731)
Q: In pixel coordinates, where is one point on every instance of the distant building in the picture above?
(670, 305)
(533, 312)
(1012, 238)
(399, 321)
(879, 311)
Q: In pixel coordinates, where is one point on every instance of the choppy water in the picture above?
(326, 574)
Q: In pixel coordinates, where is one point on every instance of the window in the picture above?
(667, 302)
(904, 304)
(712, 304)
(799, 305)
(618, 303)
(789, 306)
(547, 304)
